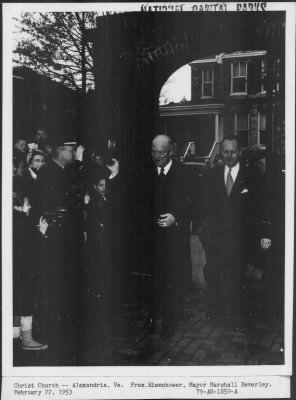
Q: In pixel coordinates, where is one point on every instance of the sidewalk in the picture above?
(197, 341)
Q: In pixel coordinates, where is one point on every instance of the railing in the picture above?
(213, 153)
(206, 160)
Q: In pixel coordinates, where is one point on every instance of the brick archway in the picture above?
(135, 53)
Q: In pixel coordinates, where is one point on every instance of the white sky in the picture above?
(177, 87)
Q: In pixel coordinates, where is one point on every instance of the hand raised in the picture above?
(43, 225)
(166, 220)
(265, 243)
(114, 168)
(79, 153)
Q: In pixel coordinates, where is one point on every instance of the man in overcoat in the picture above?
(167, 233)
(59, 200)
(229, 221)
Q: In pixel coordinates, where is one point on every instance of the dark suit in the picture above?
(270, 223)
(227, 220)
(99, 239)
(167, 245)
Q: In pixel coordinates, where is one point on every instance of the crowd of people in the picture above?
(62, 216)
(65, 231)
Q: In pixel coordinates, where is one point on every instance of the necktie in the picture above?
(229, 183)
(161, 174)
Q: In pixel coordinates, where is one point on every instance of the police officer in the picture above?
(58, 198)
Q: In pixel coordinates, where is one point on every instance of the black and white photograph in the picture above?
(148, 164)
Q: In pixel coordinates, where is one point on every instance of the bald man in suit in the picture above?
(167, 206)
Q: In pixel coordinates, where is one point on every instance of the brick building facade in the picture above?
(228, 96)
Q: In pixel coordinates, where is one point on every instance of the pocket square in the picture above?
(244, 191)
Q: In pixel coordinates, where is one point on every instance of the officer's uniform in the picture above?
(58, 200)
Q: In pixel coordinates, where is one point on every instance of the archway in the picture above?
(135, 53)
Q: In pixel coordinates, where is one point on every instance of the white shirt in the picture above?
(166, 168)
(234, 172)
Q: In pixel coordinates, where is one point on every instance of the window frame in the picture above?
(258, 128)
(232, 93)
(263, 76)
(203, 96)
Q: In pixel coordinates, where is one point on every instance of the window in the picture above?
(241, 127)
(263, 76)
(239, 77)
(207, 83)
(262, 129)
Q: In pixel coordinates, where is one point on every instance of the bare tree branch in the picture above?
(54, 45)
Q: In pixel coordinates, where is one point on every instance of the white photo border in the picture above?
(9, 10)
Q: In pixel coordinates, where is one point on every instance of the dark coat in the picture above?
(228, 221)
(98, 269)
(24, 264)
(169, 196)
(59, 200)
(269, 209)
(58, 187)
(98, 220)
(27, 241)
(167, 245)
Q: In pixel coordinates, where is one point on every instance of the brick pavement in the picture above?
(196, 341)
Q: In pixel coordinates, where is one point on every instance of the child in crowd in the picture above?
(97, 233)
(36, 161)
(97, 274)
(25, 242)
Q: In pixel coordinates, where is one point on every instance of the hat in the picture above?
(61, 140)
